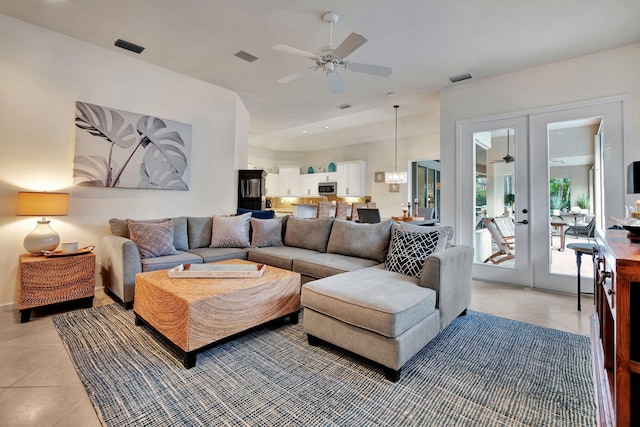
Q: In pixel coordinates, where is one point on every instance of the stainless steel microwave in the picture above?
(327, 188)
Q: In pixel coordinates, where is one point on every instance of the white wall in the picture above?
(608, 73)
(42, 74)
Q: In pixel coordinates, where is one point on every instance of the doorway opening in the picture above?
(425, 188)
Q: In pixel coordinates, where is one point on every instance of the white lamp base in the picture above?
(41, 238)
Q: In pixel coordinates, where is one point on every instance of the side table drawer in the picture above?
(44, 281)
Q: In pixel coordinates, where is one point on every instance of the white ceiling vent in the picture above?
(459, 78)
(246, 56)
(132, 47)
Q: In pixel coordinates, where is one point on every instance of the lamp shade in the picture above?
(633, 178)
(42, 204)
(395, 177)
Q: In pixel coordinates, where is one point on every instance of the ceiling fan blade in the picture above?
(336, 82)
(376, 70)
(293, 50)
(351, 43)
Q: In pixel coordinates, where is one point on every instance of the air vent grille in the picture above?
(128, 46)
(459, 78)
(246, 56)
(344, 106)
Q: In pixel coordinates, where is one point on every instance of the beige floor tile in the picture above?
(38, 406)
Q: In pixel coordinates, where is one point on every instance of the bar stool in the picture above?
(584, 248)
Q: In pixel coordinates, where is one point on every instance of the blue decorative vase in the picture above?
(310, 169)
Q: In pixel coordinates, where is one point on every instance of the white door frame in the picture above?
(616, 112)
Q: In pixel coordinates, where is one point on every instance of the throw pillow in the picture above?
(409, 250)
(230, 231)
(266, 232)
(153, 238)
(119, 227)
(266, 214)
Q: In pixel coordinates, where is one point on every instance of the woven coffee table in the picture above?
(192, 315)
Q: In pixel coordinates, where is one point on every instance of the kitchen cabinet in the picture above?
(289, 181)
(309, 185)
(352, 178)
(272, 185)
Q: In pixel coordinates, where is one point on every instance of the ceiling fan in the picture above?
(331, 59)
(508, 158)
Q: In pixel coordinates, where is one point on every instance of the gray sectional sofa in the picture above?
(356, 292)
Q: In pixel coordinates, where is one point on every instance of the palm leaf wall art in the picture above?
(117, 148)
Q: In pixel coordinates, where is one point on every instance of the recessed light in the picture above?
(326, 126)
(390, 93)
(304, 131)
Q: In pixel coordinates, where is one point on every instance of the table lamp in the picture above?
(43, 237)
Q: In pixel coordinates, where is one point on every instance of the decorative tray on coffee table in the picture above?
(215, 270)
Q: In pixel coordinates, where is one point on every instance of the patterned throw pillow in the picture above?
(266, 232)
(153, 238)
(230, 231)
(409, 250)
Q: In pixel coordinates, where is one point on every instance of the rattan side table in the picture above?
(50, 280)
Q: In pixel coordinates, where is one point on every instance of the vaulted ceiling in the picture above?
(424, 41)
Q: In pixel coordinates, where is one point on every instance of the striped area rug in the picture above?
(481, 371)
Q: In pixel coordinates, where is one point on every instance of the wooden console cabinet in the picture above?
(615, 330)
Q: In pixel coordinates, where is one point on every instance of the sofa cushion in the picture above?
(381, 301)
(170, 261)
(230, 231)
(279, 256)
(308, 233)
(409, 249)
(327, 264)
(180, 238)
(266, 232)
(199, 231)
(153, 238)
(370, 241)
(260, 214)
(219, 254)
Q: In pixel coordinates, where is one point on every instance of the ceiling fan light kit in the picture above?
(331, 59)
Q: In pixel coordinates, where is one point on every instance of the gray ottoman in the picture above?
(378, 314)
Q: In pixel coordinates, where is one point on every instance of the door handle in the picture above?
(524, 221)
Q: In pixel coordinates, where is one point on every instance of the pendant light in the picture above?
(396, 177)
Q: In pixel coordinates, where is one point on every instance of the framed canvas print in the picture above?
(394, 188)
(120, 149)
(379, 176)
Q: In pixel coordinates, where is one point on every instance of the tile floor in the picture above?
(39, 385)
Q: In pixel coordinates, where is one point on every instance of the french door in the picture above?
(497, 195)
(505, 166)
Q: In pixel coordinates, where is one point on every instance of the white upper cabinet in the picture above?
(309, 185)
(352, 178)
(289, 181)
(272, 185)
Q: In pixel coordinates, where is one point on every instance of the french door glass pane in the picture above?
(494, 240)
